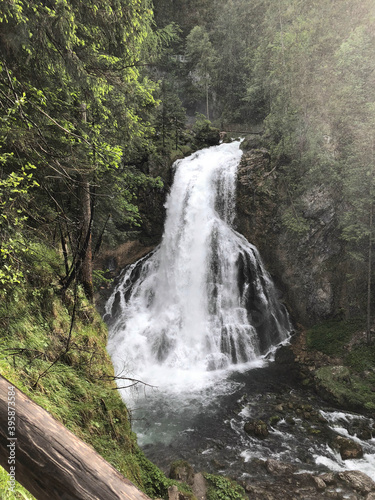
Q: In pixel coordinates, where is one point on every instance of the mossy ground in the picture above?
(74, 384)
(350, 379)
(331, 337)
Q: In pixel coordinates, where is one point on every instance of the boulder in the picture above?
(285, 355)
(174, 494)
(358, 480)
(279, 468)
(256, 428)
(319, 483)
(199, 486)
(182, 471)
(348, 448)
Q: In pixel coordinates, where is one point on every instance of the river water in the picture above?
(205, 425)
(199, 320)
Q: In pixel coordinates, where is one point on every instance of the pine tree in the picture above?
(72, 71)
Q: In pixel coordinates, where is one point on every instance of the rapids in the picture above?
(199, 320)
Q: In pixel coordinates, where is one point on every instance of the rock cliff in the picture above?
(305, 261)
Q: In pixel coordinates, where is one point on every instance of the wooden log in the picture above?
(49, 460)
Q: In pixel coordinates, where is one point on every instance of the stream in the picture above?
(205, 425)
(199, 320)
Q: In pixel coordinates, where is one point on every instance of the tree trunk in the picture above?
(49, 460)
(85, 274)
(207, 104)
(369, 275)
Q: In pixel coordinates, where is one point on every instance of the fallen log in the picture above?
(49, 460)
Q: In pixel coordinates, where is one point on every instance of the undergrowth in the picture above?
(53, 348)
(351, 383)
(222, 488)
(331, 337)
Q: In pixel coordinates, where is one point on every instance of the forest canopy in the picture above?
(93, 96)
(76, 113)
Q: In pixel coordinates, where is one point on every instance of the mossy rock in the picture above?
(182, 471)
(348, 448)
(340, 385)
(252, 141)
(257, 428)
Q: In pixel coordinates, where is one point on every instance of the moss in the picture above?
(274, 419)
(73, 384)
(19, 492)
(361, 358)
(346, 388)
(351, 384)
(332, 336)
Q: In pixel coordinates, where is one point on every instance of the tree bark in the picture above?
(86, 222)
(49, 460)
(86, 240)
(369, 276)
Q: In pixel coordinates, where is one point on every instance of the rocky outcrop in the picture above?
(183, 472)
(151, 207)
(112, 261)
(281, 480)
(256, 428)
(348, 448)
(359, 481)
(301, 250)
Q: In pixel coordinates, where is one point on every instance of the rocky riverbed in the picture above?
(267, 430)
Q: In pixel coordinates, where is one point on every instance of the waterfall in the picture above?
(202, 300)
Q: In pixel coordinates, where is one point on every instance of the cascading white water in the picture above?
(202, 300)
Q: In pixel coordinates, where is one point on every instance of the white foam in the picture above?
(185, 321)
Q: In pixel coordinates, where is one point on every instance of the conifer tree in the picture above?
(76, 106)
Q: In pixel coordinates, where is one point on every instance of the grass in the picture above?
(72, 384)
(331, 337)
(361, 358)
(351, 384)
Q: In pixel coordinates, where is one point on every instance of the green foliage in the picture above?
(347, 388)
(201, 61)
(19, 492)
(73, 382)
(204, 133)
(331, 336)
(295, 223)
(361, 358)
(77, 107)
(99, 278)
(170, 118)
(350, 384)
(156, 484)
(15, 189)
(222, 488)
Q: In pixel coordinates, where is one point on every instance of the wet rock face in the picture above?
(306, 262)
(348, 448)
